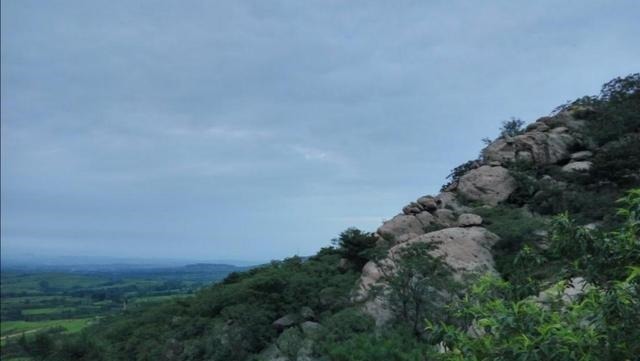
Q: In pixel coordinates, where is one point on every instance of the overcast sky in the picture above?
(256, 130)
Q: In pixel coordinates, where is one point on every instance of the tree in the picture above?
(512, 127)
(419, 284)
(357, 246)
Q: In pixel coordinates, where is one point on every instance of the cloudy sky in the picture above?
(256, 130)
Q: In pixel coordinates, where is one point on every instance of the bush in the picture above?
(459, 171)
(356, 246)
(512, 127)
(619, 161)
(600, 257)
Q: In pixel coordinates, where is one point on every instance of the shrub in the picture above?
(512, 127)
(459, 171)
(619, 161)
(356, 246)
(418, 284)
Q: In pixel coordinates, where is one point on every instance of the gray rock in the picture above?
(577, 167)
(425, 218)
(582, 155)
(469, 219)
(489, 185)
(559, 130)
(567, 292)
(412, 208)
(464, 249)
(284, 322)
(537, 145)
(310, 328)
(428, 203)
(448, 200)
(397, 228)
(444, 218)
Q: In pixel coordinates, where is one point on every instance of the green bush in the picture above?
(356, 246)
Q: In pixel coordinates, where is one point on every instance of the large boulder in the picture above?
(577, 167)
(469, 219)
(401, 227)
(489, 185)
(581, 155)
(464, 250)
(535, 146)
(448, 200)
(284, 322)
(547, 141)
(428, 203)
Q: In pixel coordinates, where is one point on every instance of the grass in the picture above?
(46, 311)
(32, 283)
(9, 328)
(159, 298)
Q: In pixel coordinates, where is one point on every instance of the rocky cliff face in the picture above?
(444, 219)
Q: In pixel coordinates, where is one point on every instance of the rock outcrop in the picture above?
(469, 219)
(463, 249)
(577, 167)
(444, 220)
(548, 141)
(487, 184)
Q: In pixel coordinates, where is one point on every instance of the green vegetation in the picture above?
(35, 303)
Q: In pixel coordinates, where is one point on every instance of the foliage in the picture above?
(601, 258)
(459, 171)
(602, 325)
(357, 246)
(515, 226)
(390, 345)
(512, 127)
(618, 161)
(614, 113)
(418, 284)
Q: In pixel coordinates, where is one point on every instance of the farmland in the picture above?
(68, 300)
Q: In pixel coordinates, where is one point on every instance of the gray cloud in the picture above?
(256, 130)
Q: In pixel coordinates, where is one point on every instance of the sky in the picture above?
(255, 130)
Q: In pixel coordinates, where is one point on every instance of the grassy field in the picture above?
(9, 328)
(34, 302)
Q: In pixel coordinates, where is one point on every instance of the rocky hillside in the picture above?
(448, 220)
(531, 251)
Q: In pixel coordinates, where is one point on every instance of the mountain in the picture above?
(531, 251)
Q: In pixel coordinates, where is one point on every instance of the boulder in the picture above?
(428, 203)
(400, 225)
(412, 208)
(464, 249)
(566, 291)
(490, 185)
(564, 119)
(444, 218)
(538, 144)
(577, 167)
(310, 328)
(582, 155)
(284, 322)
(425, 218)
(448, 200)
(469, 219)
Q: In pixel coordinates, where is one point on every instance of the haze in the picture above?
(254, 130)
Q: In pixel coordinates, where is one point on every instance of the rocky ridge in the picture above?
(446, 221)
